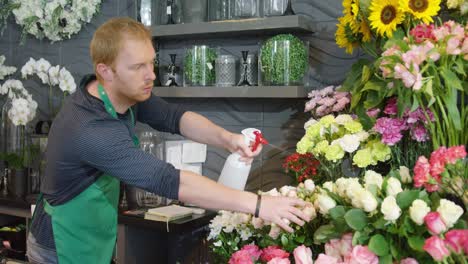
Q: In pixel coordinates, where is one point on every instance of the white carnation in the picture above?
(343, 119)
(349, 143)
(309, 123)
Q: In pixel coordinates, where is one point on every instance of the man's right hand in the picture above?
(276, 209)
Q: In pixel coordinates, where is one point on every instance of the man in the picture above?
(92, 147)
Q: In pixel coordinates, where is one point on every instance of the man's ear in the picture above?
(105, 72)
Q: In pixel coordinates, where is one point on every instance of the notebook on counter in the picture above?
(168, 213)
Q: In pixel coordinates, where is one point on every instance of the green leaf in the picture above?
(405, 199)
(373, 189)
(300, 239)
(379, 245)
(451, 79)
(451, 102)
(380, 223)
(387, 259)
(324, 233)
(337, 212)
(416, 243)
(356, 219)
(284, 240)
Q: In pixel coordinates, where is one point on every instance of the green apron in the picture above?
(85, 228)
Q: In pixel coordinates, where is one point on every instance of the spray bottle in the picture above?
(236, 172)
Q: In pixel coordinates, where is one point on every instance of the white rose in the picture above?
(286, 189)
(309, 185)
(366, 200)
(352, 188)
(418, 210)
(324, 203)
(449, 212)
(393, 186)
(390, 209)
(372, 177)
(405, 174)
(330, 186)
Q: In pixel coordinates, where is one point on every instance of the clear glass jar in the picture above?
(251, 69)
(219, 10)
(225, 70)
(274, 7)
(245, 9)
(195, 11)
(170, 11)
(199, 66)
(284, 60)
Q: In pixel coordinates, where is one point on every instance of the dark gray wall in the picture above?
(281, 120)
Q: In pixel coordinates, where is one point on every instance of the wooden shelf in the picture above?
(233, 92)
(254, 26)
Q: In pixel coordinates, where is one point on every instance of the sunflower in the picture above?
(385, 16)
(344, 36)
(421, 9)
(350, 14)
(365, 31)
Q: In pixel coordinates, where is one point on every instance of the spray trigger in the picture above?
(259, 139)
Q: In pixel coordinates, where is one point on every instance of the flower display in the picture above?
(5, 70)
(55, 20)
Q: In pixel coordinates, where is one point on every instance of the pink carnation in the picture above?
(419, 133)
(421, 172)
(279, 261)
(253, 250)
(391, 107)
(373, 112)
(455, 153)
(241, 257)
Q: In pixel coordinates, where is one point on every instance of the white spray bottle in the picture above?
(236, 172)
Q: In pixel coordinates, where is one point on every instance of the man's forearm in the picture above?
(206, 193)
(198, 128)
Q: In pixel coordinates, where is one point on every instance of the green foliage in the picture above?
(378, 244)
(199, 65)
(356, 219)
(283, 60)
(6, 8)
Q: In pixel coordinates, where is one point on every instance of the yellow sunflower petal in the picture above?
(421, 9)
(384, 16)
(365, 31)
(343, 36)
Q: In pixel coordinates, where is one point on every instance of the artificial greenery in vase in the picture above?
(284, 60)
(199, 66)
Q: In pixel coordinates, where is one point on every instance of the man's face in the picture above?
(133, 71)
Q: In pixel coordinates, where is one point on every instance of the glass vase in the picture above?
(284, 61)
(274, 7)
(199, 66)
(245, 9)
(195, 11)
(219, 10)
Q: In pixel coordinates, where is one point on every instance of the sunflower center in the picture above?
(388, 14)
(418, 5)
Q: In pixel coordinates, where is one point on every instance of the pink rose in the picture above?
(253, 250)
(434, 223)
(241, 257)
(325, 259)
(455, 239)
(279, 261)
(302, 255)
(435, 246)
(272, 252)
(362, 255)
(409, 261)
(346, 244)
(332, 248)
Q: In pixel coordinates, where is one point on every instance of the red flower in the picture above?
(301, 166)
(454, 153)
(437, 161)
(272, 252)
(422, 32)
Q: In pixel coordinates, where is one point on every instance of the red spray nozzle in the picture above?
(259, 139)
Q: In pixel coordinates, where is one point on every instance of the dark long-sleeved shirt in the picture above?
(85, 141)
